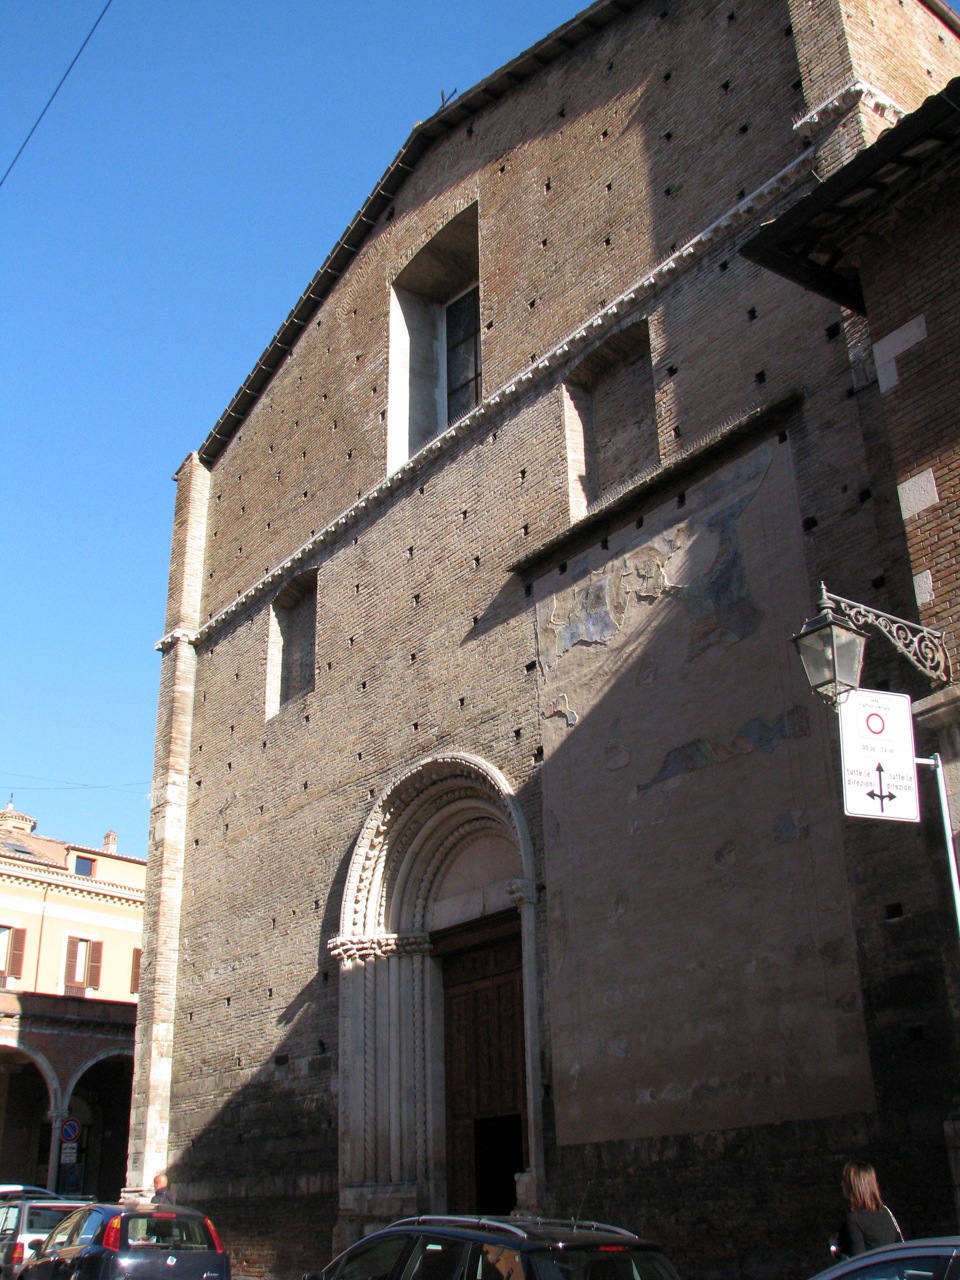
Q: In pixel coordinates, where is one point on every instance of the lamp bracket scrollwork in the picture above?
(922, 646)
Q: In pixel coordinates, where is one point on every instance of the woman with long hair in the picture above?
(868, 1223)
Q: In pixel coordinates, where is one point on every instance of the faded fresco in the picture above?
(702, 959)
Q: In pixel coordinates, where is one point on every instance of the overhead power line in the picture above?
(55, 92)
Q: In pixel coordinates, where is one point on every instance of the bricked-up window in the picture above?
(291, 647)
(610, 416)
(12, 945)
(135, 971)
(434, 360)
(464, 371)
(82, 966)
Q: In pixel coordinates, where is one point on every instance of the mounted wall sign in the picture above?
(879, 756)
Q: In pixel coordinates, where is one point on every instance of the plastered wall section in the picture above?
(703, 968)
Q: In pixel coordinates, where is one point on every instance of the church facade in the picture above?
(497, 856)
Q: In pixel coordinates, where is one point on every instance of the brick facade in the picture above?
(593, 669)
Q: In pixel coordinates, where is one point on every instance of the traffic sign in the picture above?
(879, 756)
(70, 1130)
(68, 1153)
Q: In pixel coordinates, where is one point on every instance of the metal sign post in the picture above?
(936, 764)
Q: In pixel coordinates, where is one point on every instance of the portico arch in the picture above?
(449, 819)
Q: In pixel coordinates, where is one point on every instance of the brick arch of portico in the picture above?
(392, 1125)
(19, 1049)
(84, 1067)
(44, 1066)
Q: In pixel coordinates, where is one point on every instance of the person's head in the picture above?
(159, 1181)
(860, 1186)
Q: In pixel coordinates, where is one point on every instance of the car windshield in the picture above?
(8, 1218)
(603, 1262)
(41, 1219)
(167, 1231)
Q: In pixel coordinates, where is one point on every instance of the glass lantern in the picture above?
(832, 655)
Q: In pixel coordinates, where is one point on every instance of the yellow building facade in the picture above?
(70, 944)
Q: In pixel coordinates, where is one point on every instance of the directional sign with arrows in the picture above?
(879, 756)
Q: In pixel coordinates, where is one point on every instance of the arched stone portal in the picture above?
(438, 849)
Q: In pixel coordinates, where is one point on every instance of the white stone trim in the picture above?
(918, 493)
(856, 93)
(895, 344)
(923, 587)
(392, 1131)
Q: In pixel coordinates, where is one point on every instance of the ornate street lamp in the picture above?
(831, 646)
(832, 655)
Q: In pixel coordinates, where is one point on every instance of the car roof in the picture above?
(524, 1231)
(910, 1248)
(61, 1202)
(21, 1191)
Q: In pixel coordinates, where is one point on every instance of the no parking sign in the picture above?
(70, 1130)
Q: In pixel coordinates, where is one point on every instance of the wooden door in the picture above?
(485, 1075)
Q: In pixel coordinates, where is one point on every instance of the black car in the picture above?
(142, 1242)
(936, 1259)
(515, 1248)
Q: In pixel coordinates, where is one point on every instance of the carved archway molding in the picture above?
(392, 1140)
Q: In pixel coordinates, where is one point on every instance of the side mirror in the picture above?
(311, 1275)
(35, 1246)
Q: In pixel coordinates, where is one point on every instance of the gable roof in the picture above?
(424, 135)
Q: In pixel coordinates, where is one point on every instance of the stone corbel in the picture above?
(856, 93)
(167, 642)
(522, 891)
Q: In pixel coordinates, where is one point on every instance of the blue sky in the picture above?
(192, 174)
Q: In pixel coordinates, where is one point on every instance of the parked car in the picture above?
(441, 1248)
(20, 1190)
(24, 1220)
(142, 1242)
(936, 1259)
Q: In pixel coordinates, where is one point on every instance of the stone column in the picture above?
(57, 1117)
(150, 1107)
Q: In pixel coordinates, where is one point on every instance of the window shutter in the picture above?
(135, 971)
(18, 940)
(70, 968)
(93, 965)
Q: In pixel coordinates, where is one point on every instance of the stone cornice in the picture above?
(73, 886)
(841, 103)
(566, 352)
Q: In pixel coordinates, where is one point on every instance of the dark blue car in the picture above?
(143, 1242)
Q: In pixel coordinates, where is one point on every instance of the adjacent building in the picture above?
(496, 854)
(70, 943)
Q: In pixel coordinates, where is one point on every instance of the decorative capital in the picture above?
(349, 950)
(522, 891)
